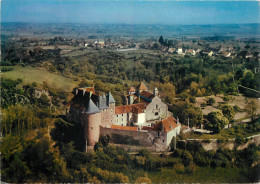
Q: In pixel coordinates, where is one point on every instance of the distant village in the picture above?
(205, 46)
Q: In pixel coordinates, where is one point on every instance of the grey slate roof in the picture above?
(110, 98)
(102, 102)
(91, 108)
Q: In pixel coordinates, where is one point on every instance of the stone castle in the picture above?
(144, 122)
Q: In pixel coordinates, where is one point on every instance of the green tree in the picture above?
(192, 99)
(161, 40)
(144, 179)
(229, 112)
(217, 121)
(215, 85)
(250, 80)
(210, 101)
(251, 109)
(186, 158)
(226, 98)
(185, 110)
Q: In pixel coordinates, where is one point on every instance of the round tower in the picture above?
(92, 129)
(92, 124)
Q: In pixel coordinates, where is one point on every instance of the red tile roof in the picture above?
(88, 89)
(132, 89)
(118, 127)
(137, 110)
(129, 108)
(147, 128)
(147, 94)
(142, 86)
(168, 124)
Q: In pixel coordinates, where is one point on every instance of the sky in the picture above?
(130, 11)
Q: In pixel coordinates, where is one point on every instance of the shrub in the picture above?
(222, 158)
(239, 140)
(210, 101)
(193, 147)
(220, 141)
(201, 159)
(143, 180)
(181, 144)
(44, 100)
(226, 98)
(236, 108)
(192, 99)
(206, 141)
(203, 105)
(176, 153)
(186, 158)
(7, 68)
(6, 63)
(179, 168)
(144, 153)
(215, 163)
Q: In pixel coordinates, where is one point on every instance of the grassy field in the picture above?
(224, 134)
(200, 175)
(30, 75)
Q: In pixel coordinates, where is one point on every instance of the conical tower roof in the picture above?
(91, 108)
(132, 89)
(142, 86)
(110, 98)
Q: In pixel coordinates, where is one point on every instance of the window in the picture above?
(91, 128)
(156, 114)
(122, 114)
(156, 106)
(116, 115)
(163, 141)
(122, 124)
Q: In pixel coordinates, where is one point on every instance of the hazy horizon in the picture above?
(130, 12)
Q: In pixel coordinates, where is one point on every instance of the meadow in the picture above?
(200, 175)
(30, 75)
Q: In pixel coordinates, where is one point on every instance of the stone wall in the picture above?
(107, 115)
(214, 144)
(135, 140)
